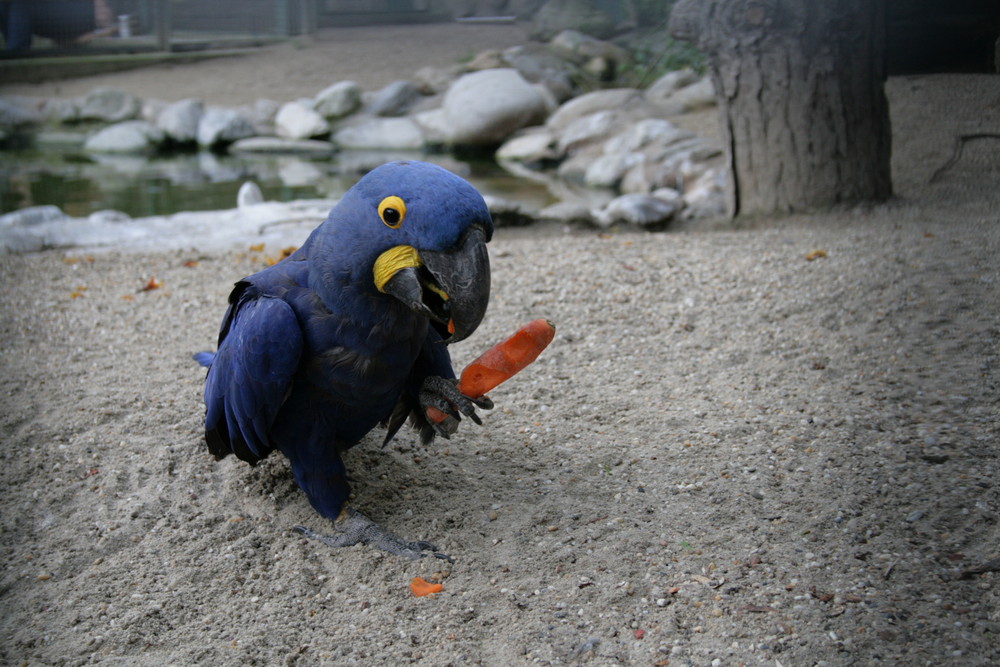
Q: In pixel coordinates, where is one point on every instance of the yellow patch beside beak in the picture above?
(393, 260)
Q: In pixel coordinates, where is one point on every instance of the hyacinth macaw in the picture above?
(350, 331)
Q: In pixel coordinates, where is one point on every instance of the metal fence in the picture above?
(62, 27)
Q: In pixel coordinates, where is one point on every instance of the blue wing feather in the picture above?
(251, 375)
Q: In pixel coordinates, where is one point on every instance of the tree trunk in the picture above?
(799, 84)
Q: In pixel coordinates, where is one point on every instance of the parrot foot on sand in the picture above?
(352, 527)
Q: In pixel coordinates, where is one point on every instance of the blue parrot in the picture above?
(351, 331)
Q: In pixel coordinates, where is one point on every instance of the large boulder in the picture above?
(220, 126)
(296, 121)
(484, 108)
(110, 105)
(341, 99)
(179, 121)
(130, 136)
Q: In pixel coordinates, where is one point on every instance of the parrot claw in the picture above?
(353, 527)
(443, 394)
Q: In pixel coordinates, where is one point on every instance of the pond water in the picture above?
(81, 183)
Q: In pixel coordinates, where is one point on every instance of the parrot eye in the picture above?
(392, 210)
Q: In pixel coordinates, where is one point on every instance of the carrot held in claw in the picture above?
(502, 361)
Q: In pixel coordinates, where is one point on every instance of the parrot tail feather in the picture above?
(204, 358)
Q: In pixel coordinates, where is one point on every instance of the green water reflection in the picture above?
(81, 183)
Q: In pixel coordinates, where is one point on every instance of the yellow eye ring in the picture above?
(392, 210)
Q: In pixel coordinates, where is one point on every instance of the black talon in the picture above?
(443, 394)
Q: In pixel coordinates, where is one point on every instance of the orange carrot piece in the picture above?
(421, 587)
(502, 361)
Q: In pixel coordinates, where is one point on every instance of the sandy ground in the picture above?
(730, 454)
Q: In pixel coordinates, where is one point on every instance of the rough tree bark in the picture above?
(800, 91)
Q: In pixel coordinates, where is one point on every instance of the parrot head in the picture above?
(424, 231)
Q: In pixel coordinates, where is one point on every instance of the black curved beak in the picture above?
(451, 287)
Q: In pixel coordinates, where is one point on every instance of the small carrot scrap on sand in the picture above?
(152, 284)
(501, 362)
(421, 587)
(815, 254)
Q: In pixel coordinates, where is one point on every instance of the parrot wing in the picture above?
(260, 346)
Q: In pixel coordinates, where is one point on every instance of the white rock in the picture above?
(222, 126)
(130, 136)
(566, 213)
(341, 99)
(607, 171)
(110, 105)
(643, 133)
(666, 85)
(434, 125)
(31, 216)
(638, 209)
(381, 134)
(262, 114)
(13, 114)
(283, 146)
(706, 197)
(599, 100)
(295, 121)
(592, 128)
(698, 95)
(669, 195)
(276, 223)
(484, 108)
(531, 146)
(151, 109)
(249, 195)
(179, 121)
